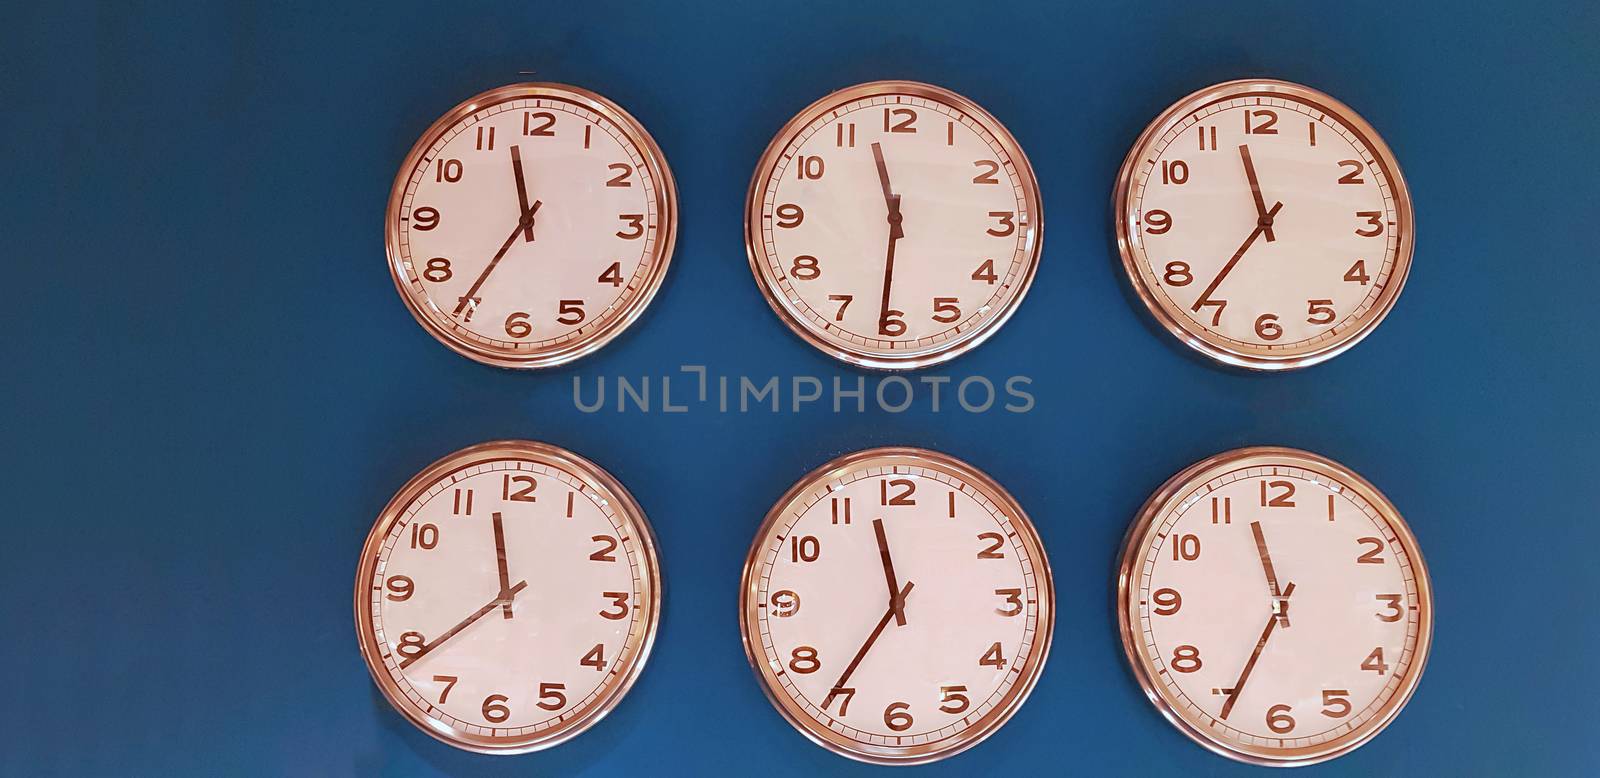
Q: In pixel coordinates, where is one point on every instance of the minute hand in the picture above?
(524, 221)
(1205, 296)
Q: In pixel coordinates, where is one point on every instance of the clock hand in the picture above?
(503, 597)
(1261, 226)
(522, 192)
(500, 559)
(525, 222)
(1250, 664)
(896, 604)
(872, 638)
(1266, 566)
(891, 202)
(1263, 217)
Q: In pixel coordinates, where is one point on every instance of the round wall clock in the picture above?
(893, 225)
(1274, 606)
(508, 596)
(531, 225)
(1264, 224)
(897, 606)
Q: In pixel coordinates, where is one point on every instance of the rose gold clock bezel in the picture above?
(1144, 670)
(1185, 329)
(418, 303)
(928, 752)
(755, 247)
(592, 476)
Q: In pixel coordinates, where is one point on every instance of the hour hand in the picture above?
(522, 192)
(897, 605)
(1263, 216)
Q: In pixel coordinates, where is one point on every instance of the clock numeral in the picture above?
(951, 699)
(608, 544)
(945, 310)
(612, 275)
(951, 503)
(1283, 496)
(438, 270)
(410, 644)
(809, 167)
(844, 135)
(623, 171)
(1374, 220)
(1174, 171)
(844, 302)
(804, 548)
(1358, 273)
(551, 697)
(805, 268)
(538, 123)
(1335, 703)
(985, 273)
(462, 504)
(996, 542)
(635, 222)
(843, 692)
(619, 601)
(425, 218)
(1007, 223)
(524, 494)
(1320, 312)
(1267, 327)
(1178, 274)
(906, 486)
(785, 603)
(1157, 222)
(994, 657)
(596, 658)
(1222, 510)
(1186, 548)
(517, 325)
(1186, 659)
(1279, 720)
(1013, 598)
(570, 312)
(1374, 662)
(840, 510)
(899, 120)
(896, 718)
(1354, 174)
(790, 215)
(1372, 556)
(1216, 316)
(1168, 601)
(587, 131)
(494, 708)
(1393, 610)
(891, 325)
(1207, 144)
(485, 139)
(803, 660)
(447, 171)
(449, 682)
(400, 588)
(1260, 121)
(424, 536)
(990, 168)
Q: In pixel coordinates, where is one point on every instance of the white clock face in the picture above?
(897, 605)
(508, 597)
(1265, 223)
(1276, 605)
(894, 224)
(531, 225)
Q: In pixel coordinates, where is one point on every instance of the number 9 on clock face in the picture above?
(897, 606)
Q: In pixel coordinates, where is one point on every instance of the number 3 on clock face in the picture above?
(1265, 224)
(893, 225)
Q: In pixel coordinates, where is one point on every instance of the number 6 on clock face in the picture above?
(893, 225)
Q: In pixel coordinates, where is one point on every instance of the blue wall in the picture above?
(211, 387)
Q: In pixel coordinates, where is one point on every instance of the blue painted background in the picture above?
(210, 386)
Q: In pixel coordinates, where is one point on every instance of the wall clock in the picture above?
(1264, 224)
(531, 225)
(893, 225)
(1274, 606)
(897, 606)
(507, 597)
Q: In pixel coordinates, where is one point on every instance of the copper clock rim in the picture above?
(661, 257)
(939, 353)
(996, 718)
(593, 476)
(1162, 500)
(1194, 336)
